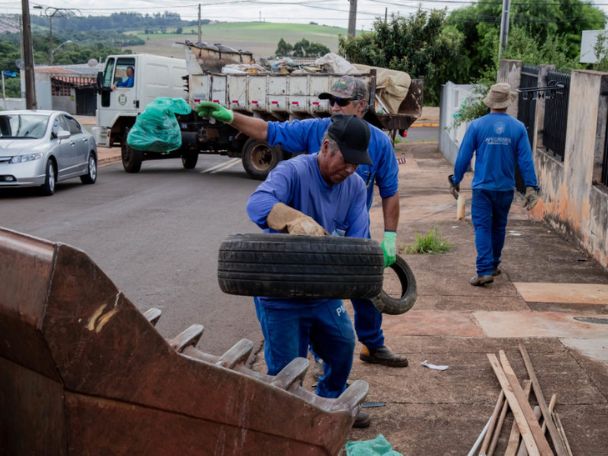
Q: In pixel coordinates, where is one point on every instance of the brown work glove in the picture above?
(530, 198)
(285, 218)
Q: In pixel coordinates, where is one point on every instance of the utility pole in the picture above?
(385, 15)
(200, 33)
(504, 28)
(28, 57)
(352, 18)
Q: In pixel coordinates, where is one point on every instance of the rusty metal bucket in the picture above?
(82, 371)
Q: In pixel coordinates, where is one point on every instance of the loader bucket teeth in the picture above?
(187, 338)
(153, 315)
(292, 374)
(237, 354)
(82, 370)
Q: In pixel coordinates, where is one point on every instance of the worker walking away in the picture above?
(348, 96)
(314, 195)
(500, 142)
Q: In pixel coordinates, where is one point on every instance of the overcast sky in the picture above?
(330, 12)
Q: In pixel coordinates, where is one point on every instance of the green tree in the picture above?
(283, 48)
(421, 45)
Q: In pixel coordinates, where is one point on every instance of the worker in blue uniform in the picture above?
(314, 195)
(129, 80)
(499, 142)
(348, 96)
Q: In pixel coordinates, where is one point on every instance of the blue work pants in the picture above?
(489, 212)
(325, 326)
(368, 323)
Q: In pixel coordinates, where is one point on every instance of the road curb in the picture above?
(424, 125)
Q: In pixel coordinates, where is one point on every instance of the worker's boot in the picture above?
(496, 272)
(480, 281)
(382, 355)
(362, 420)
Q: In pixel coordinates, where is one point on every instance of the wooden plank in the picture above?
(518, 414)
(541, 443)
(562, 432)
(486, 441)
(498, 429)
(537, 413)
(513, 443)
(560, 448)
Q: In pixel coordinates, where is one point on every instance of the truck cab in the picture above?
(128, 83)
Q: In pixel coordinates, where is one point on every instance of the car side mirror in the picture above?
(63, 134)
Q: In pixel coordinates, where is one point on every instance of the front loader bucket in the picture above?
(82, 371)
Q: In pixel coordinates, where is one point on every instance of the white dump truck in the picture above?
(202, 76)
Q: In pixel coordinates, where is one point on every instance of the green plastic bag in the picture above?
(375, 447)
(156, 129)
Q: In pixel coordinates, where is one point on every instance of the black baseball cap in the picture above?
(352, 136)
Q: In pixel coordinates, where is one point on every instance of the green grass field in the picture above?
(260, 38)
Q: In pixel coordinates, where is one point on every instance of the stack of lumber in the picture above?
(527, 435)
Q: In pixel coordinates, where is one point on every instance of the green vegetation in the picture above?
(302, 48)
(431, 242)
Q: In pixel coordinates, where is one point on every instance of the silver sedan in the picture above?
(41, 148)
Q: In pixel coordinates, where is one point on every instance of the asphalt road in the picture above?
(156, 234)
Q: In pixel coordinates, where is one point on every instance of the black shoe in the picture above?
(496, 272)
(362, 420)
(382, 355)
(480, 281)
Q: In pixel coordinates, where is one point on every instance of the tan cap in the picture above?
(499, 96)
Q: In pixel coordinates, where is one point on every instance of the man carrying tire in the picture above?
(314, 195)
(348, 96)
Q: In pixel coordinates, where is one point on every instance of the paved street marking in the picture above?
(563, 293)
(221, 166)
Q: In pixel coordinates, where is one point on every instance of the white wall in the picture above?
(452, 97)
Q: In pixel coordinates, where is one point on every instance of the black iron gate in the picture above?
(556, 113)
(86, 101)
(526, 105)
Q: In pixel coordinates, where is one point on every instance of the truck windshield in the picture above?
(108, 73)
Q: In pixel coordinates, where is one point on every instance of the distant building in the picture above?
(69, 88)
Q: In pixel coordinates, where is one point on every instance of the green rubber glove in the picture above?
(389, 248)
(214, 110)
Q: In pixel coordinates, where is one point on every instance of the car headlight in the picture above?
(25, 158)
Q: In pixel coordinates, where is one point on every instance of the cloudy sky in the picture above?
(330, 12)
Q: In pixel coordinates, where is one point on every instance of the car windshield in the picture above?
(25, 126)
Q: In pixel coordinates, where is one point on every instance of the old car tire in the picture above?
(91, 176)
(397, 306)
(288, 266)
(50, 180)
(189, 160)
(131, 158)
(259, 158)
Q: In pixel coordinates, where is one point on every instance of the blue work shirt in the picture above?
(499, 142)
(339, 208)
(129, 81)
(306, 136)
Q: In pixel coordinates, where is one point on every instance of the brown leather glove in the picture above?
(531, 198)
(285, 218)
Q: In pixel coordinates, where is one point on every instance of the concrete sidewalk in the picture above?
(552, 298)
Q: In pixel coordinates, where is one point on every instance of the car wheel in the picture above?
(131, 158)
(189, 160)
(259, 158)
(91, 176)
(288, 266)
(397, 306)
(50, 180)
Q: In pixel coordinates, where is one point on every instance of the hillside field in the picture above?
(260, 38)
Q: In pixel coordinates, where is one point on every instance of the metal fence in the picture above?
(526, 105)
(556, 113)
(605, 160)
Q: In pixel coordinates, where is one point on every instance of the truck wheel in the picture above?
(397, 306)
(189, 160)
(259, 158)
(289, 266)
(131, 158)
